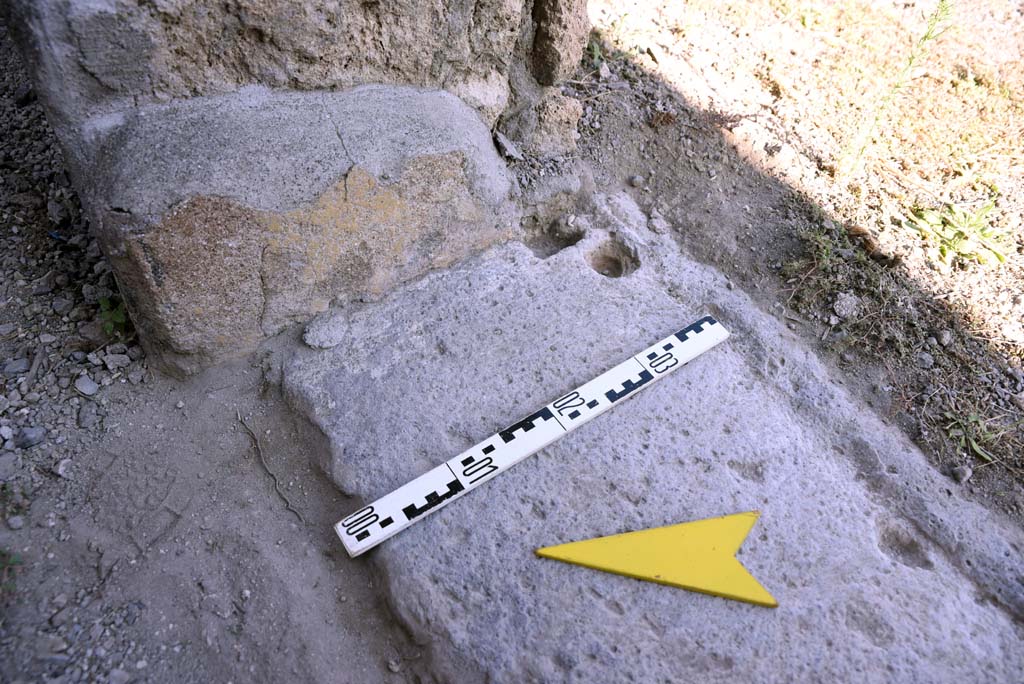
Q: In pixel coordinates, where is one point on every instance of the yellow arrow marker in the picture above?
(699, 556)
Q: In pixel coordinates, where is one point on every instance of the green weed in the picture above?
(9, 563)
(114, 318)
(594, 51)
(969, 432)
(960, 232)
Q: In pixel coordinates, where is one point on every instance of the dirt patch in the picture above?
(142, 537)
(790, 145)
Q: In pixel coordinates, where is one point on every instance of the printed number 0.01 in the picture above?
(359, 521)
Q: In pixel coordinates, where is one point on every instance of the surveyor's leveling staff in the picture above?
(392, 513)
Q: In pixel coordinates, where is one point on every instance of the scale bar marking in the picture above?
(392, 513)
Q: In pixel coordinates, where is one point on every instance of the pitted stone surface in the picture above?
(877, 579)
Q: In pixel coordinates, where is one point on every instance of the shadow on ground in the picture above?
(798, 259)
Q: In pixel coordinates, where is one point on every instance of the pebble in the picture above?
(8, 329)
(28, 437)
(15, 522)
(47, 338)
(61, 306)
(115, 361)
(945, 337)
(657, 222)
(636, 181)
(60, 617)
(394, 665)
(925, 360)
(16, 367)
(846, 305)
(8, 466)
(86, 386)
(88, 415)
(180, 405)
(962, 473)
(118, 676)
(6, 432)
(48, 644)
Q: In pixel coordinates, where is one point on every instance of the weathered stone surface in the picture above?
(228, 218)
(96, 57)
(548, 129)
(878, 578)
(100, 56)
(562, 29)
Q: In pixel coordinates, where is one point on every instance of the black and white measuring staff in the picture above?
(392, 513)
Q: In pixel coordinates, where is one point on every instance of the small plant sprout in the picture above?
(968, 432)
(938, 23)
(959, 232)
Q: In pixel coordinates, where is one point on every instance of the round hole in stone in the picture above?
(553, 238)
(613, 259)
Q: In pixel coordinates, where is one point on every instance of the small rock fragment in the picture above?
(24, 96)
(945, 337)
(15, 522)
(507, 148)
(636, 181)
(846, 305)
(115, 361)
(657, 222)
(16, 367)
(118, 676)
(88, 415)
(86, 385)
(962, 473)
(61, 305)
(925, 360)
(8, 465)
(28, 437)
(60, 617)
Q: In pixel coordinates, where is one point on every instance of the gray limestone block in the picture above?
(880, 575)
(228, 218)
